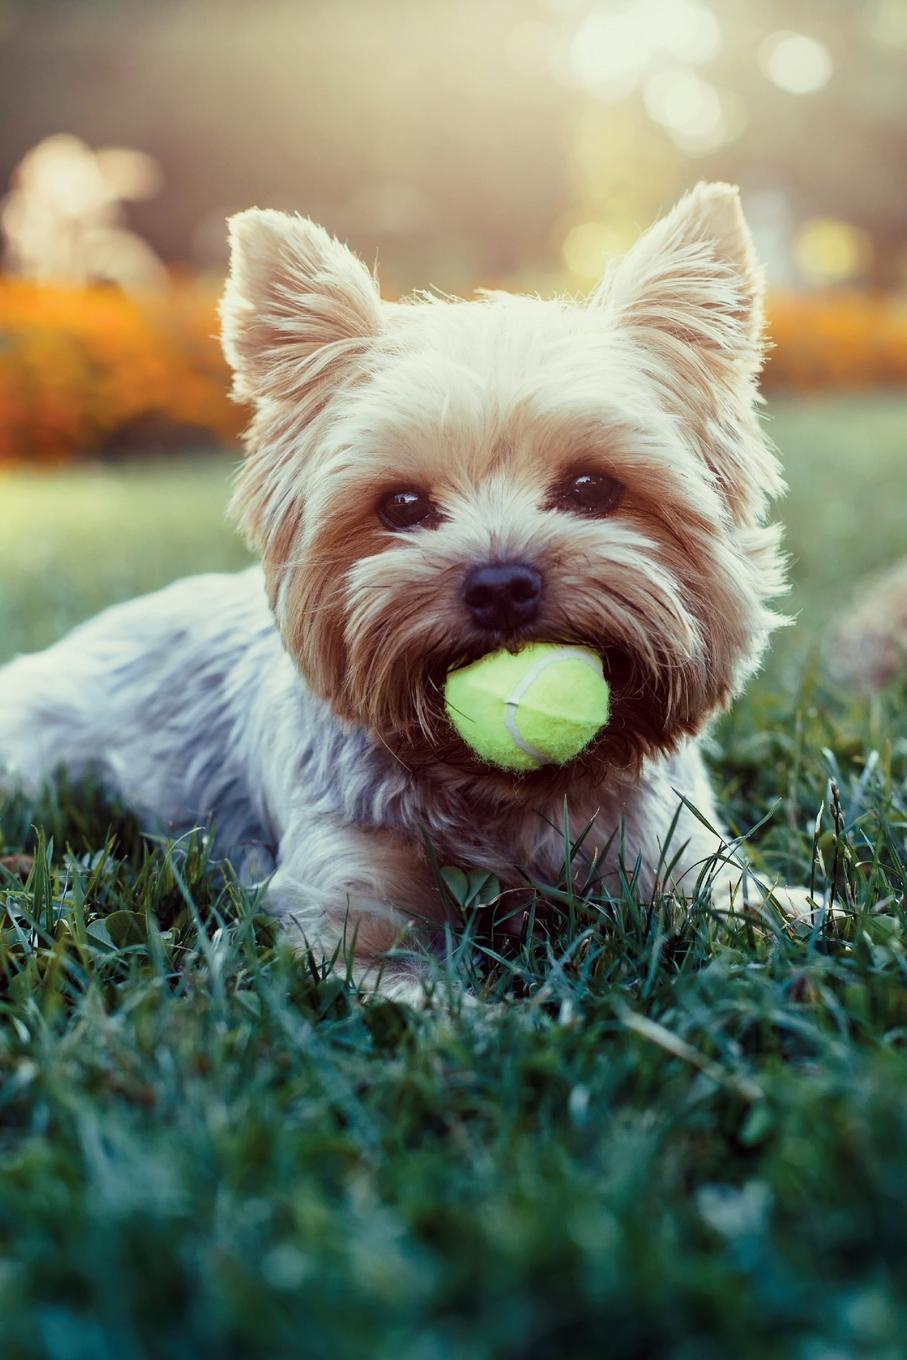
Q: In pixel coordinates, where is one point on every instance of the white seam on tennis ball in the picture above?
(511, 705)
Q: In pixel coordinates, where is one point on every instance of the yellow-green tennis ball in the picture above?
(539, 706)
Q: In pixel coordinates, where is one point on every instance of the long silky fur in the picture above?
(302, 708)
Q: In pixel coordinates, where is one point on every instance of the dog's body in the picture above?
(606, 454)
(186, 703)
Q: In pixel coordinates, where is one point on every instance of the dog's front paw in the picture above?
(796, 903)
(799, 904)
(745, 893)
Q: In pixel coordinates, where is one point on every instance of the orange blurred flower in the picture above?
(91, 370)
(87, 370)
(836, 340)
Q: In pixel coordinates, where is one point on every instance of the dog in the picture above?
(607, 451)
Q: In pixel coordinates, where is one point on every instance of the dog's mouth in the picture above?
(424, 740)
(619, 669)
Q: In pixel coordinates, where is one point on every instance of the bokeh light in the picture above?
(588, 246)
(515, 149)
(615, 45)
(830, 251)
(796, 63)
(687, 106)
(886, 22)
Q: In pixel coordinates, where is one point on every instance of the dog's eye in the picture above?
(589, 493)
(407, 509)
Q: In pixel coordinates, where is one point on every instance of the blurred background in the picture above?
(514, 143)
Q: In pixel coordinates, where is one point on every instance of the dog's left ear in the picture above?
(690, 295)
(298, 309)
(693, 284)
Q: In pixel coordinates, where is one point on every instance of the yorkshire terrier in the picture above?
(427, 482)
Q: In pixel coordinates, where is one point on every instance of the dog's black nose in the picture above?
(502, 595)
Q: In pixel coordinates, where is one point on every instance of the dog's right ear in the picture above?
(298, 309)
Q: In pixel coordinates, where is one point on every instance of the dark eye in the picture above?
(407, 509)
(589, 493)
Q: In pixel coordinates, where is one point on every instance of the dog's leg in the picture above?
(368, 893)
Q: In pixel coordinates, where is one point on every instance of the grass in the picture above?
(78, 540)
(673, 1136)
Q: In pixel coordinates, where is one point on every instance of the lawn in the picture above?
(672, 1137)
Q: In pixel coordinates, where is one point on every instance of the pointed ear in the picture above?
(298, 308)
(690, 294)
(693, 282)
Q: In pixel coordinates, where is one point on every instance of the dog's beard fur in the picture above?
(486, 406)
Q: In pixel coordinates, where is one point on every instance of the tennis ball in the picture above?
(539, 706)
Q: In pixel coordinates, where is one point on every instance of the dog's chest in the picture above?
(538, 842)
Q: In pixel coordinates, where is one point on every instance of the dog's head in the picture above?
(433, 480)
